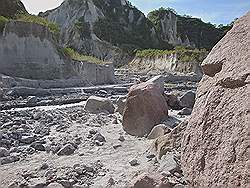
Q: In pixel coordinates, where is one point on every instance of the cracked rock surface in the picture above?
(216, 140)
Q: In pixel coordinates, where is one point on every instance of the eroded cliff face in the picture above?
(167, 63)
(103, 28)
(216, 141)
(169, 32)
(184, 30)
(31, 51)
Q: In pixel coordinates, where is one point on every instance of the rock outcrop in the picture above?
(145, 107)
(216, 141)
(184, 30)
(30, 51)
(103, 27)
(168, 63)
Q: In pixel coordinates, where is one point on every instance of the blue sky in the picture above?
(214, 11)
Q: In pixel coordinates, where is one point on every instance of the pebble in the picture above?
(133, 162)
(99, 137)
(121, 138)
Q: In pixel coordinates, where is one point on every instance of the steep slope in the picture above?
(9, 8)
(184, 30)
(216, 141)
(103, 27)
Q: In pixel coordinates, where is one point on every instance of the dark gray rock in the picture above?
(4, 152)
(185, 111)
(68, 149)
(188, 99)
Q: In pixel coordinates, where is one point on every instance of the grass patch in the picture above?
(3, 21)
(183, 54)
(80, 57)
(53, 27)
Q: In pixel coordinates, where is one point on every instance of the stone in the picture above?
(185, 111)
(44, 166)
(215, 144)
(187, 99)
(121, 101)
(55, 185)
(172, 101)
(121, 138)
(28, 139)
(145, 108)
(133, 162)
(38, 146)
(96, 104)
(67, 149)
(31, 99)
(37, 183)
(149, 181)
(99, 137)
(13, 185)
(168, 163)
(4, 152)
(169, 142)
(9, 159)
(158, 130)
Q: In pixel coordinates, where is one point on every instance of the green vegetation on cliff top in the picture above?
(80, 57)
(53, 27)
(183, 54)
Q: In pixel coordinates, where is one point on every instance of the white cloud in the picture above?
(36, 6)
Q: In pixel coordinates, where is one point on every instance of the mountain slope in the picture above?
(112, 29)
(103, 27)
(184, 30)
(9, 8)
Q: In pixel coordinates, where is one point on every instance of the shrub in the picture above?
(3, 21)
(53, 27)
(80, 57)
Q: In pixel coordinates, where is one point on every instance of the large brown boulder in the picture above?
(145, 108)
(215, 145)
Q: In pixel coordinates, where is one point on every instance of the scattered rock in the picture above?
(68, 149)
(121, 138)
(158, 130)
(44, 166)
(96, 104)
(172, 101)
(117, 146)
(31, 99)
(121, 101)
(55, 185)
(187, 99)
(99, 137)
(149, 181)
(133, 162)
(185, 111)
(37, 183)
(145, 108)
(28, 139)
(4, 152)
